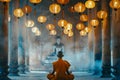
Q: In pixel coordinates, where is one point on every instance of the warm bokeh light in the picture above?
(87, 29)
(35, 1)
(37, 33)
(68, 26)
(50, 27)
(55, 8)
(35, 29)
(63, 2)
(90, 4)
(79, 7)
(18, 12)
(102, 14)
(62, 23)
(29, 23)
(5, 0)
(83, 33)
(70, 34)
(114, 4)
(80, 26)
(27, 9)
(84, 17)
(53, 32)
(94, 22)
(42, 19)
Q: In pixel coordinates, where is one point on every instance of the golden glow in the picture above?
(62, 23)
(5, 0)
(79, 7)
(55, 8)
(34, 29)
(70, 34)
(63, 2)
(84, 18)
(42, 19)
(65, 31)
(83, 33)
(29, 23)
(53, 32)
(50, 27)
(87, 29)
(68, 26)
(71, 9)
(102, 14)
(27, 9)
(94, 22)
(80, 26)
(37, 33)
(35, 1)
(115, 4)
(18, 12)
(90, 4)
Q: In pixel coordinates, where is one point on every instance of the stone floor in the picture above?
(42, 76)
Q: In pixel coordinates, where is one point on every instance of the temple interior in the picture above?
(32, 32)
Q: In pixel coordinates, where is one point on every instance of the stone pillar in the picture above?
(4, 42)
(115, 30)
(106, 51)
(13, 41)
(97, 44)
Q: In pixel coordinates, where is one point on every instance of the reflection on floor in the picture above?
(34, 75)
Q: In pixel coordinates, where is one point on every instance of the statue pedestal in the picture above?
(48, 62)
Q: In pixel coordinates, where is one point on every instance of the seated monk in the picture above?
(60, 69)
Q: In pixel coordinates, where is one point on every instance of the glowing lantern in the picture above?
(102, 14)
(115, 4)
(79, 7)
(90, 4)
(27, 9)
(18, 12)
(5, 1)
(35, 29)
(53, 32)
(84, 18)
(83, 33)
(68, 26)
(38, 33)
(54, 8)
(42, 19)
(63, 2)
(94, 22)
(50, 27)
(70, 34)
(35, 1)
(87, 29)
(62, 23)
(80, 26)
(71, 9)
(65, 31)
(29, 23)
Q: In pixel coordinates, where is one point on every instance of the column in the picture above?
(13, 41)
(4, 42)
(115, 30)
(97, 43)
(106, 52)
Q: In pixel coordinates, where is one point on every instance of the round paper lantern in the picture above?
(29, 23)
(55, 8)
(38, 33)
(18, 12)
(50, 27)
(102, 14)
(35, 1)
(27, 9)
(87, 29)
(94, 23)
(35, 29)
(65, 31)
(80, 26)
(79, 7)
(70, 34)
(62, 23)
(83, 17)
(53, 32)
(83, 33)
(71, 9)
(68, 26)
(63, 2)
(42, 19)
(90, 4)
(114, 4)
